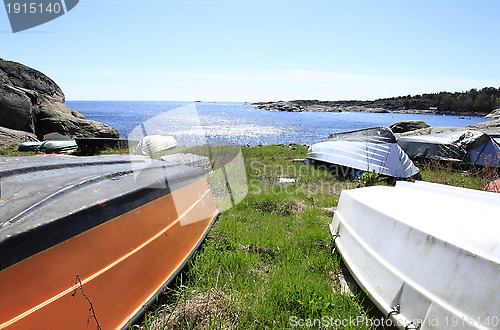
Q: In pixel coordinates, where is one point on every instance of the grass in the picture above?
(453, 175)
(267, 263)
(11, 151)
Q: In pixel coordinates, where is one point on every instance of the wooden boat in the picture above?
(88, 242)
(373, 149)
(426, 254)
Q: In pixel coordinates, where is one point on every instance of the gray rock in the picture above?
(32, 102)
(489, 127)
(495, 114)
(429, 130)
(19, 75)
(281, 106)
(56, 117)
(16, 111)
(408, 125)
(9, 137)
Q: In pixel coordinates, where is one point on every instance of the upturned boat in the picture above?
(367, 150)
(88, 242)
(426, 254)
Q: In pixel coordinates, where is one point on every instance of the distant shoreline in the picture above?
(352, 106)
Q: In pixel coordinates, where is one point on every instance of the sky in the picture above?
(256, 50)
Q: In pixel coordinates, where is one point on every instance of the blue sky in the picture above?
(253, 50)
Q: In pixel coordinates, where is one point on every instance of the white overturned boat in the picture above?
(372, 149)
(428, 255)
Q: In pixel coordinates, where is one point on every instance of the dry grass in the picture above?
(203, 311)
(452, 174)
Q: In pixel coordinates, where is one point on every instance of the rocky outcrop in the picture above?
(336, 106)
(288, 106)
(489, 127)
(297, 106)
(32, 102)
(429, 130)
(495, 114)
(408, 125)
(10, 136)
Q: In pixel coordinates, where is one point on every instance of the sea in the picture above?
(239, 123)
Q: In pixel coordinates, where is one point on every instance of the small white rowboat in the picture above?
(372, 149)
(427, 255)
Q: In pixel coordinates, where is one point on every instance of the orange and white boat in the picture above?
(88, 242)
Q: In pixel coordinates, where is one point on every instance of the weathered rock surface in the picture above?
(16, 111)
(408, 125)
(429, 130)
(488, 127)
(22, 76)
(9, 136)
(32, 102)
(288, 106)
(495, 114)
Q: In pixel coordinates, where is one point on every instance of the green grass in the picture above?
(448, 174)
(11, 151)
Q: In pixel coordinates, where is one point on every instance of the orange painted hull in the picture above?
(119, 266)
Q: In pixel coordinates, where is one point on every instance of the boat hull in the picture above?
(106, 275)
(426, 266)
(369, 150)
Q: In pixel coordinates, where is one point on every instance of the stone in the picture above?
(408, 125)
(32, 102)
(495, 114)
(9, 137)
(56, 117)
(16, 111)
(490, 127)
(429, 130)
(22, 76)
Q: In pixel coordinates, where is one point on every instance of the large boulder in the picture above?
(495, 114)
(428, 131)
(491, 127)
(9, 136)
(32, 102)
(16, 110)
(22, 76)
(408, 125)
(56, 117)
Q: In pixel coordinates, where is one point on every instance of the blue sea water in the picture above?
(242, 124)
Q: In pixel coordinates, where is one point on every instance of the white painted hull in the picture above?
(433, 250)
(383, 158)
